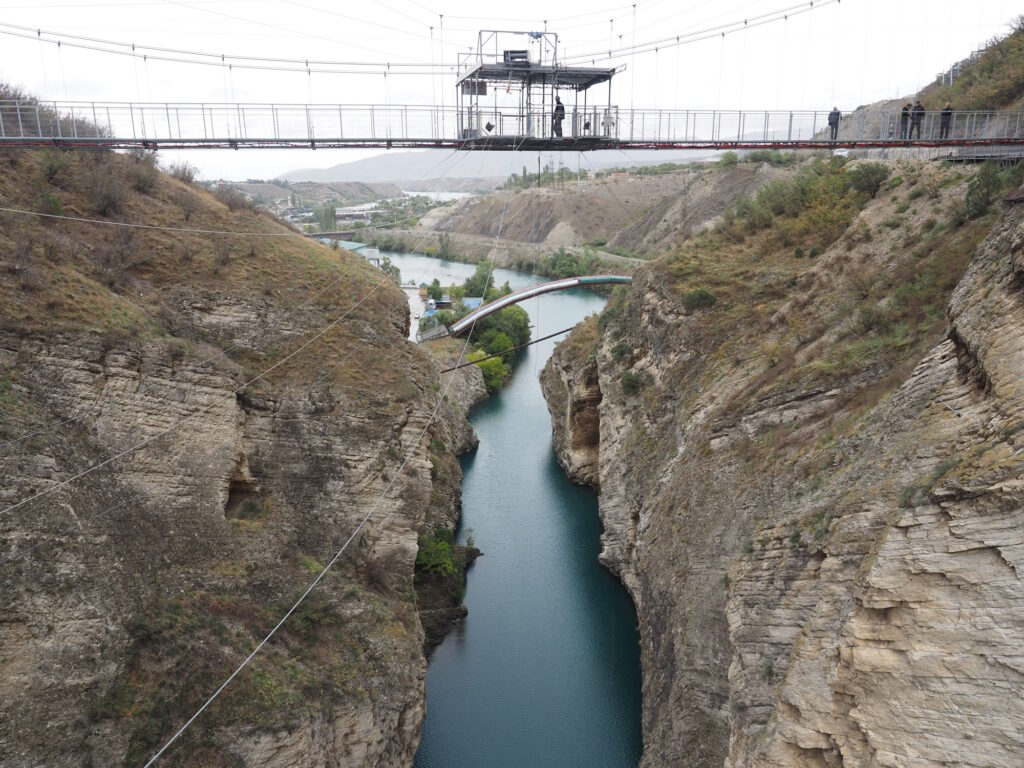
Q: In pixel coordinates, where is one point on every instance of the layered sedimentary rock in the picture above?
(826, 574)
(130, 594)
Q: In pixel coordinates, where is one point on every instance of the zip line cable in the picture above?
(287, 312)
(412, 450)
(154, 226)
(510, 349)
(121, 454)
(111, 510)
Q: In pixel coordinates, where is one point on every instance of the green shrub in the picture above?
(867, 178)
(798, 252)
(630, 383)
(728, 159)
(698, 298)
(435, 555)
(105, 189)
(494, 370)
(982, 189)
(56, 167)
(495, 342)
(184, 172)
(770, 156)
(49, 203)
(142, 171)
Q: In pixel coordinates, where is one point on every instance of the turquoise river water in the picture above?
(545, 670)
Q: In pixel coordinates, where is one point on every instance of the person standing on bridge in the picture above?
(904, 120)
(557, 117)
(916, 118)
(944, 121)
(833, 123)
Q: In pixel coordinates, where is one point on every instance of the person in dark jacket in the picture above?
(945, 120)
(904, 120)
(833, 123)
(916, 118)
(557, 117)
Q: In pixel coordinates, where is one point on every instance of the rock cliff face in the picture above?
(229, 444)
(826, 568)
(130, 594)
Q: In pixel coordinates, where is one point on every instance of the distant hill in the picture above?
(411, 168)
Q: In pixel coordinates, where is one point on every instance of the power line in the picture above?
(154, 226)
(287, 312)
(175, 425)
(109, 511)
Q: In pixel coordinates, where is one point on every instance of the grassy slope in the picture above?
(994, 81)
(90, 277)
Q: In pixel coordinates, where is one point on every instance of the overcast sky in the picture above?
(848, 53)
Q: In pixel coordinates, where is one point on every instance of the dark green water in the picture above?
(545, 671)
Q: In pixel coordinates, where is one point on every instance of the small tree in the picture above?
(391, 270)
(444, 246)
(481, 281)
(868, 177)
(434, 290)
(326, 217)
(982, 189)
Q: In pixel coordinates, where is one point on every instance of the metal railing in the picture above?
(120, 123)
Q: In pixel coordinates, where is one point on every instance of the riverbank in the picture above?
(506, 254)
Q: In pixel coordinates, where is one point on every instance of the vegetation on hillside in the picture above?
(995, 80)
(908, 232)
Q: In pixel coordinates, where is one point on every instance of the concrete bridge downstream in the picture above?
(467, 322)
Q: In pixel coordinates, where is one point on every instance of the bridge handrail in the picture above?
(256, 122)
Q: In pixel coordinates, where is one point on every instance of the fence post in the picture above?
(789, 133)
(3, 132)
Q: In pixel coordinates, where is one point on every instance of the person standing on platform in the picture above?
(904, 121)
(557, 117)
(945, 120)
(916, 118)
(833, 123)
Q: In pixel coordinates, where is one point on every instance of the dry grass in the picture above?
(58, 275)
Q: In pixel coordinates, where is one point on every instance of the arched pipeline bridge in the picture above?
(465, 323)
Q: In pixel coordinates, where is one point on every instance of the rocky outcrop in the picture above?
(825, 569)
(216, 497)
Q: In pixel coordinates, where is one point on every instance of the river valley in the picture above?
(545, 670)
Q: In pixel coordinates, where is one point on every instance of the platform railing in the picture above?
(338, 124)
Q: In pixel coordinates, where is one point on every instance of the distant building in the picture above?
(472, 303)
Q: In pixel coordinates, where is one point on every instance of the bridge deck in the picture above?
(180, 126)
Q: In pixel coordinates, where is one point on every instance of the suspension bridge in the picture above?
(126, 125)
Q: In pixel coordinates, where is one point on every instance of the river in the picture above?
(545, 670)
